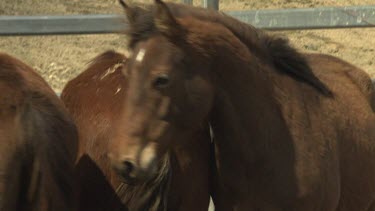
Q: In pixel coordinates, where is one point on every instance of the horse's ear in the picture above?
(164, 20)
(129, 11)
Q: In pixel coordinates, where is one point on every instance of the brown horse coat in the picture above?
(92, 99)
(95, 98)
(292, 131)
(37, 142)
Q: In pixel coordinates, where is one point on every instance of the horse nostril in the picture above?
(128, 166)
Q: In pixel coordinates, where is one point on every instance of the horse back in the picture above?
(324, 64)
(93, 99)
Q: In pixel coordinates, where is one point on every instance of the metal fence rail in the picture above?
(284, 19)
(54, 25)
(211, 4)
(309, 18)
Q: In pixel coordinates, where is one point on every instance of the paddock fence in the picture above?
(280, 19)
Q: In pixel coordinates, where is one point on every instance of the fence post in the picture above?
(211, 4)
(189, 2)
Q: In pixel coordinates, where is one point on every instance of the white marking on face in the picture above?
(147, 156)
(140, 55)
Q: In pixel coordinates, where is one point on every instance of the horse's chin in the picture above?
(130, 181)
(141, 178)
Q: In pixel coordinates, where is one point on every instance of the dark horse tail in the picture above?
(39, 170)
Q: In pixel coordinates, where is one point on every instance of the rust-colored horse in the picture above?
(37, 143)
(96, 98)
(292, 131)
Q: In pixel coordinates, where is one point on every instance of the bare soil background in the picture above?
(60, 58)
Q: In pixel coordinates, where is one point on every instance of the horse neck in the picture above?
(243, 108)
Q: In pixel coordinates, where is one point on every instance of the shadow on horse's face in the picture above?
(162, 87)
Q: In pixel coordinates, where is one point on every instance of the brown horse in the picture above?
(38, 143)
(95, 98)
(292, 131)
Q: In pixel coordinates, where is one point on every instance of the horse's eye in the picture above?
(161, 81)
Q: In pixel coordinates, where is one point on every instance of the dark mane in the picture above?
(153, 194)
(275, 49)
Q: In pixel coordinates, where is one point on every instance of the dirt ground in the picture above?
(60, 58)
